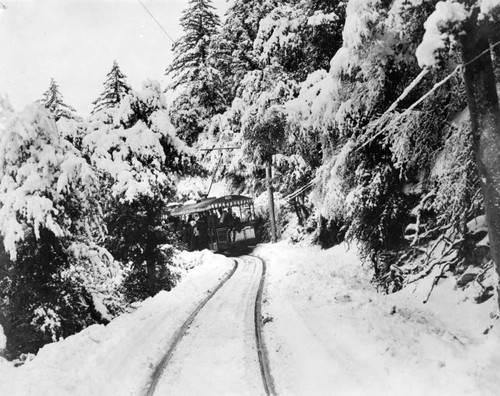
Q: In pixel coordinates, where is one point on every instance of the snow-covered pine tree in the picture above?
(198, 85)
(57, 277)
(233, 46)
(115, 88)
(269, 46)
(249, 53)
(140, 159)
(474, 24)
(53, 101)
(321, 34)
(191, 51)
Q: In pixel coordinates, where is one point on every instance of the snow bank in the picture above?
(3, 339)
(330, 332)
(327, 329)
(117, 359)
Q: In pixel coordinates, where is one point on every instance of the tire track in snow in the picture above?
(182, 330)
(251, 276)
(265, 368)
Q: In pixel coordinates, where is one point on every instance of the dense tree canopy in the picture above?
(382, 116)
(330, 91)
(81, 215)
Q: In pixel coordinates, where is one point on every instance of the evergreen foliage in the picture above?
(191, 51)
(322, 89)
(53, 101)
(233, 47)
(199, 85)
(379, 157)
(115, 89)
(141, 159)
(341, 72)
(138, 235)
(50, 222)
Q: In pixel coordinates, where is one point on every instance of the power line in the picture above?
(220, 148)
(457, 69)
(156, 20)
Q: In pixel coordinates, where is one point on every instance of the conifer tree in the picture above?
(199, 23)
(115, 89)
(198, 83)
(53, 101)
(478, 27)
(140, 158)
(50, 223)
(234, 45)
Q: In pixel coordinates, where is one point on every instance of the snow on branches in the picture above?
(132, 150)
(40, 175)
(278, 32)
(445, 25)
(314, 107)
(488, 8)
(115, 88)
(53, 101)
(441, 29)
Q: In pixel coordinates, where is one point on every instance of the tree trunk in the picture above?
(298, 212)
(150, 270)
(485, 122)
(149, 253)
(272, 217)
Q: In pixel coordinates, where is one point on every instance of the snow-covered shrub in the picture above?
(447, 233)
(264, 136)
(101, 276)
(136, 233)
(140, 159)
(44, 303)
(49, 214)
(455, 178)
(376, 211)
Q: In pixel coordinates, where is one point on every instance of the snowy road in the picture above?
(218, 353)
(328, 332)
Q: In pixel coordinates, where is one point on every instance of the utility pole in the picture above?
(269, 177)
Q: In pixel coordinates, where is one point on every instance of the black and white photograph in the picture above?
(249, 197)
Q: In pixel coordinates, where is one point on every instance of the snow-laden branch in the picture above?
(445, 25)
(441, 30)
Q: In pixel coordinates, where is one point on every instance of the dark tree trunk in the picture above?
(149, 254)
(298, 212)
(270, 194)
(485, 122)
(150, 270)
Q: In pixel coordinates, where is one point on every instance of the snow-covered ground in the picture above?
(330, 333)
(117, 359)
(327, 332)
(218, 354)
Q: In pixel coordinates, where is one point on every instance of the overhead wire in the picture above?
(460, 67)
(157, 22)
